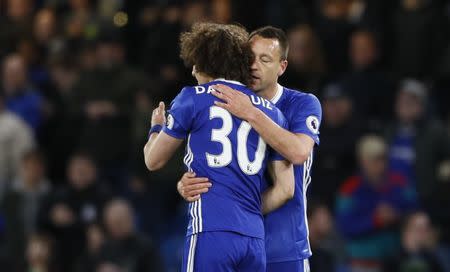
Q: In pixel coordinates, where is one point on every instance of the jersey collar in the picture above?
(229, 81)
(277, 96)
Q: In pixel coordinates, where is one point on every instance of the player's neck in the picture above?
(203, 78)
(270, 92)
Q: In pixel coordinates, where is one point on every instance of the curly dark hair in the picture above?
(218, 50)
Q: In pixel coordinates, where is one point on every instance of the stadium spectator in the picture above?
(306, 70)
(418, 251)
(334, 31)
(95, 238)
(40, 255)
(61, 135)
(16, 138)
(157, 56)
(21, 98)
(105, 97)
(328, 247)
(366, 84)
(73, 207)
(21, 203)
(15, 24)
(45, 40)
(414, 52)
(335, 158)
(370, 205)
(44, 27)
(419, 146)
(79, 20)
(125, 249)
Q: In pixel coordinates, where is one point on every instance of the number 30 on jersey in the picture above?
(221, 136)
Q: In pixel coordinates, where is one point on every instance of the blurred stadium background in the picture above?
(80, 78)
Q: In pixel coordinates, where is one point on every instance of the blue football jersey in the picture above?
(287, 227)
(229, 152)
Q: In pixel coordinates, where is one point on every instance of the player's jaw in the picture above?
(256, 82)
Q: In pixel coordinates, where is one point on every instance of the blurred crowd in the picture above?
(79, 79)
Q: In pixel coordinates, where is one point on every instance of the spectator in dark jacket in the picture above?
(418, 38)
(73, 207)
(306, 70)
(328, 247)
(366, 83)
(22, 202)
(371, 204)
(104, 97)
(335, 158)
(125, 249)
(418, 247)
(95, 238)
(334, 30)
(14, 24)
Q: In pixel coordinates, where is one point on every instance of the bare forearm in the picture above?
(283, 189)
(272, 199)
(148, 150)
(281, 140)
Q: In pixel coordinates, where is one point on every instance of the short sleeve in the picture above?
(180, 115)
(306, 116)
(282, 122)
(275, 156)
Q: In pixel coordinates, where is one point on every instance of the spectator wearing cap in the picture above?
(335, 159)
(370, 205)
(16, 138)
(419, 145)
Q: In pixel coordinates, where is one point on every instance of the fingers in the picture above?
(189, 175)
(160, 109)
(192, 198)
(190, 179)
(226, 90)
(220, 95)
(199, 191)
(197, 186)
(194, 194)
(194, 187)
(222, 105)
(162, 106)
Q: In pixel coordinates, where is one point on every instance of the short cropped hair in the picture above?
(218, 50)
(270, 32)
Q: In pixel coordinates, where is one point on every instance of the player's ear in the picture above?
(283, 66)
